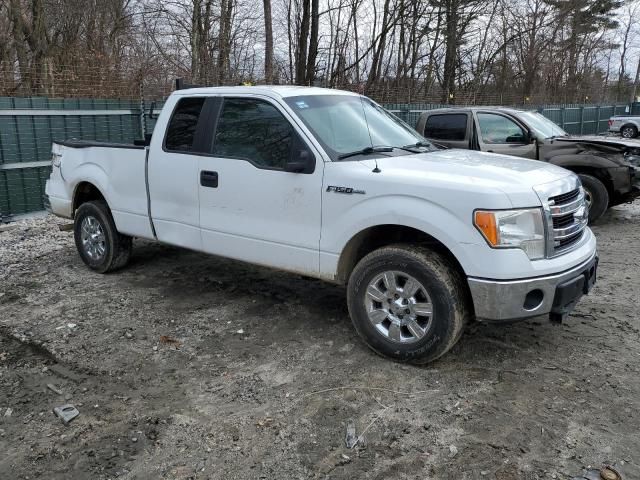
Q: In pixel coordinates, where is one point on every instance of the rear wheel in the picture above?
(100, 245)
(629, 131)
(596, 196)
(408, 303)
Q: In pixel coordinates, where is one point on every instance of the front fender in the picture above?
(453, 230)
(584, 160)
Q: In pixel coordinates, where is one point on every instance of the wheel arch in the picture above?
(86, 191)
(377, 236)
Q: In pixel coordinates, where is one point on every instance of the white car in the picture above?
(328, 184)
(626, 126)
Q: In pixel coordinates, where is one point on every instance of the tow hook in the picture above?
(557, 318)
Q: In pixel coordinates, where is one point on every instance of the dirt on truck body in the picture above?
(191, 366)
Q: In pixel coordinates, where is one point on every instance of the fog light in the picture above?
(533, 299)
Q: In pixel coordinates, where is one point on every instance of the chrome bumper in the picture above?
(500, 300)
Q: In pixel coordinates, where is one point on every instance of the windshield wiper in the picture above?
(418, 144)
(365, 151)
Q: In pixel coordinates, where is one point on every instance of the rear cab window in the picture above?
(446, 126)
(181, 129)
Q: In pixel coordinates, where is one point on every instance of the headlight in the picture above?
(521, 229)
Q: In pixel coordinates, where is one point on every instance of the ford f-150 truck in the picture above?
(330, 185)
(609, 168)
(626, 126)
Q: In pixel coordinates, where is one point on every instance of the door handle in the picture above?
(209, 179)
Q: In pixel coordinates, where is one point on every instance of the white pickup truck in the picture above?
(329, 185)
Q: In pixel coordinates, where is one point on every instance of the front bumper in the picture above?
(504, 300)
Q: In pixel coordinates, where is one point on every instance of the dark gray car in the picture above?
(609, 168)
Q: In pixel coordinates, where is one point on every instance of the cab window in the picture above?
(181, 130)
(497, 129)
(253, 130)
(449, 126)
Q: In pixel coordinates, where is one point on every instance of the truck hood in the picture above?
(468, 170)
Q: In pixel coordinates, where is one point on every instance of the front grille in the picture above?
(565, 197)
(563, 221)
(569, 217)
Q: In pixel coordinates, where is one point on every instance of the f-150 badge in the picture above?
(347, 190)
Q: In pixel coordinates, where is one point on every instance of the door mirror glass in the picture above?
(301, 159)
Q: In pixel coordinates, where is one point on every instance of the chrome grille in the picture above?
(569, 218)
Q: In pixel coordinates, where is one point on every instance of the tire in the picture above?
(629, 131)
(445, 290)
(99, 244)
(597, 196)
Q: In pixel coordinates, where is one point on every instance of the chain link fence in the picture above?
(115, 106)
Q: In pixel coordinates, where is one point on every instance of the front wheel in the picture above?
(408, 303)
(100, 245)
(596, 196)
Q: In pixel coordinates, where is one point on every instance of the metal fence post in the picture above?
(562, 117)
(597, 120)
(581, 119)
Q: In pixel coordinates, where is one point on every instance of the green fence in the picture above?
(29, 125)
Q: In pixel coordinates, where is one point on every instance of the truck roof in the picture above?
(281, 91)
(480, 108)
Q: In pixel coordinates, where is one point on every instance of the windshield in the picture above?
(350, 126)
(542, 125)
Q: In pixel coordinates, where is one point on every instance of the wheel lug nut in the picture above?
(389, 300)
(396, 296)
(407, 311)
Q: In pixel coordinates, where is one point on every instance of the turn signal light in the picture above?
(486, 223)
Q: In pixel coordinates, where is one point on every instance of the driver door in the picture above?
(251, 208)
(497, 133)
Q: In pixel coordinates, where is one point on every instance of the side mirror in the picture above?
(301, 159)
(531, 138)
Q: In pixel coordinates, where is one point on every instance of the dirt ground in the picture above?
(189, 366)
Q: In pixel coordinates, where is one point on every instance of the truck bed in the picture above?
(118, 170)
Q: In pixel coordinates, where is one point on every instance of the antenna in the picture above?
(364, 114)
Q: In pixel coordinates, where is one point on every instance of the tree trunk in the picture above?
(224, 43)
(268, 43)
(451, 51)
(301, 61)
(313, 42)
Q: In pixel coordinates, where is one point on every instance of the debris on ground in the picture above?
(167, 340)
(54, 389)
(66, 413)
(351, 439)
(606, 472)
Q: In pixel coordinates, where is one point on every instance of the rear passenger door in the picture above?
(173, 173)
(499, 133)
(250, 207)
(449, 129)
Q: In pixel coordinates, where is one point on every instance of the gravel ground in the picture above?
(190, 366)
